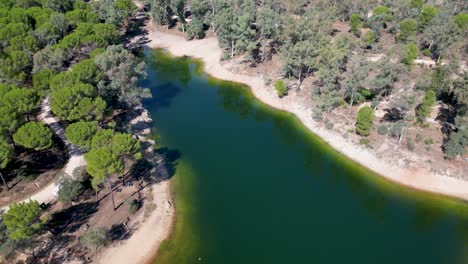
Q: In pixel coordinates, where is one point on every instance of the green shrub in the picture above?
(427, 52)
(317, 115)
(355, 23)
(133, 205)
(383, 129)
(281, 88)
(412, 53)
(428, 141)
(410, 144)
(425, 125)
(364, 141)
(328, 125)
(364, 122)
(425, 108)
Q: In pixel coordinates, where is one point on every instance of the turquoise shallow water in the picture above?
(252, 185)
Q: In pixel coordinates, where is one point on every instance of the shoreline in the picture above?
(208, 51)
(151, 231)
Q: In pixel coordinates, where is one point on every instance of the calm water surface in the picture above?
(253, 186)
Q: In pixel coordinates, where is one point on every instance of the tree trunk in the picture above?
(4, 182)
(12, 141)
(112, 192)
(351, 102)
(401, 135)
(97, 196)
(300, 78)
(232, 49)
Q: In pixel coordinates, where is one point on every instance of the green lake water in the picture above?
(252, 185)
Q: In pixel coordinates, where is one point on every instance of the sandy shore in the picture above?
(209, 52)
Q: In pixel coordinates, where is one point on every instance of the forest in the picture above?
(374, 60)
(65, 53)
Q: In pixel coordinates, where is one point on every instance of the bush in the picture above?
(317, 115)
(408, 28)
(428, 141)
(133, 206)
(410, 144)
(456, 145)
(281, 88)
(355, 22)
(69, 189)
(383, 129)
(364, 122)
(364, 141)
(425, 108)
(95, 238)
(328, 125)
(425, 125)
(412, 52)
(427, 52)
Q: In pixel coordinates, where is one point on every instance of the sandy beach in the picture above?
(209, 52)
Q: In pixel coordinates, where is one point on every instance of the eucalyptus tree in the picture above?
(121, 71)
(355, 78)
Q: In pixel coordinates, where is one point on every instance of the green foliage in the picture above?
(69, 189)
(23, 100)
(121, 71)
(425, 108)
(103, 139)
(382, 11)
(428, 12)
(102, 163)
(22, 220)
(461, 20)
(410, 144)
(408, 29)
(412, 52)
(365, 119)
(78, 102)
(417, 3)
(9, 119)
(364, 141)
(34, 135)
(457, 144)
(281, 88)
(428, 141)
(383, 129)
(369, 38)
(355, 22)
(81, 134)
(126, 145)
(6, 153)
(41, 80)
(49, 58)
(133, 206)
(95, 238)
(195, 29)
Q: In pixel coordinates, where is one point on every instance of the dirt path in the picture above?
(208, 50)
(48, 193)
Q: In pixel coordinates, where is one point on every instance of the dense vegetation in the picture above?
(67, 51)
(308, 37)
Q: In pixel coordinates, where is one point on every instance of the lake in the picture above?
(252, 185)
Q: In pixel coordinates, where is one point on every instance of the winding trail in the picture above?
(76, 158)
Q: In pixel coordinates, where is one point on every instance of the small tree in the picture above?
(457, 144)
(22, 220)
(95, 238)
(34, 135)
(408, 29)
(369, 38)
(69, 189)
(355, 22)
(281, 88)
(365, 118)
(425, 108)
(102, 163)
(412, 52)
